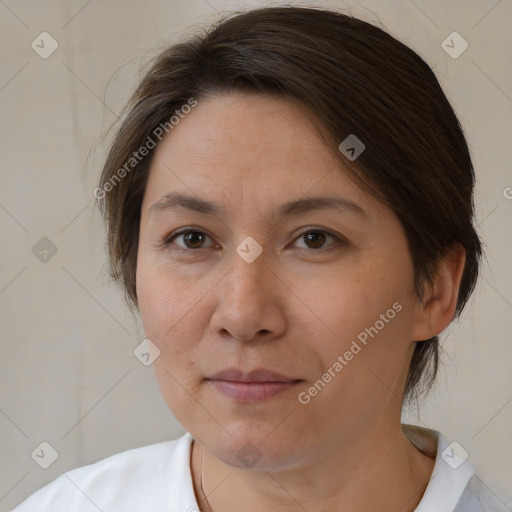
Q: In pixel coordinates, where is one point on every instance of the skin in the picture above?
(293, 310)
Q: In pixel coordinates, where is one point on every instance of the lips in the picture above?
(258, 375)
(255, 386)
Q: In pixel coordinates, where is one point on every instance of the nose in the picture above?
(249, 301)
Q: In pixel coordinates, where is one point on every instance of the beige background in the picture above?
(68, 374)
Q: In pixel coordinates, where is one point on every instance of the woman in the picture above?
(289, 206)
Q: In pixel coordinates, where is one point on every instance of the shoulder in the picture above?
(454, 485)
(125, 481)
(478, 497)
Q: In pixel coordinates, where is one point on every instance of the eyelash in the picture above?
(169, 240)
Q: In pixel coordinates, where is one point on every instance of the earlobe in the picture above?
(437, 309)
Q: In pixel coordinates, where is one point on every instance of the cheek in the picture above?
(170, 313)
(346, 302)
(163, 297)
(367, 315)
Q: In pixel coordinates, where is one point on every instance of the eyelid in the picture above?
(317, 229)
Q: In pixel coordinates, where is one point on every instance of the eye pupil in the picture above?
(190, 236)
(318, 238)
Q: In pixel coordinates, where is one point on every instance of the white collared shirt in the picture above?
(157, 478)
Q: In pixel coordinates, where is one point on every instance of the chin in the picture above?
(251, 448)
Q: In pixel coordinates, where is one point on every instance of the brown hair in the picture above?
(357, 79)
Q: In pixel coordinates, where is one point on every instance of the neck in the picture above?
(378, 470)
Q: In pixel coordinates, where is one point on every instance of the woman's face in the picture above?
(321, 294)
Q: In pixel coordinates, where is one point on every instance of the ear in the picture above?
(437, 307)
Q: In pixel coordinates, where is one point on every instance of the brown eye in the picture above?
(191, 239)
(315, 239)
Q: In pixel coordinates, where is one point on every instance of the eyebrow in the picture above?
(178, 201)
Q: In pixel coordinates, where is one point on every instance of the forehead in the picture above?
(234, 128)
(265, 148)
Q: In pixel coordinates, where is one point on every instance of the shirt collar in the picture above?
(181, 490)
(451, 472)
